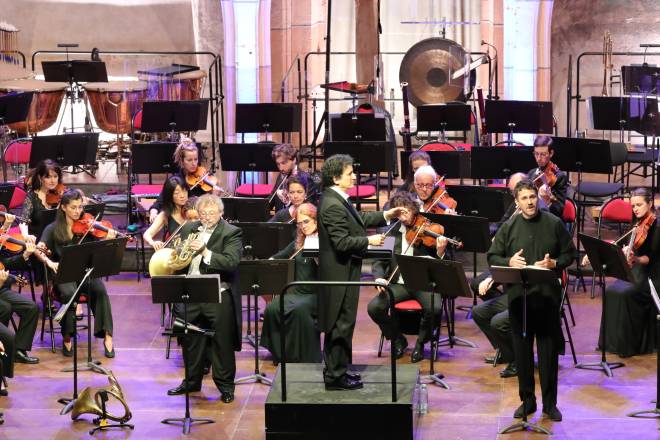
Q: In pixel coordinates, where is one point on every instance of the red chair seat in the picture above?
(463, 147)
(408, 305)
(496, 185)
(18, 198)
(146, 189)
(364, 191)
(260, 190)
(437, 146)
(18, 151)
(137, 120)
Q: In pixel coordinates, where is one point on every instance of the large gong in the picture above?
(427, 68)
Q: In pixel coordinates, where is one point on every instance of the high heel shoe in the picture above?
(67, 352)
(108, 353)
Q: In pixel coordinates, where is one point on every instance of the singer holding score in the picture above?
(535, 238)
(343, 241)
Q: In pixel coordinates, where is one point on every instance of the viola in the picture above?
(202, 178)
(642, 230)
(3, 210)
(439, 201)
(15, 242)
(424, 232)
(99, 229)
(548, 177)
(54, 196)
(20, 281)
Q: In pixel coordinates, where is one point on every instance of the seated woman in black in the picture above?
(303, 343)
(43, 180)
(297, 190)
(55, 237)
(629, 316)
(175, 199)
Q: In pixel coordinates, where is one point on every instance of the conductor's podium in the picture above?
(312, 412)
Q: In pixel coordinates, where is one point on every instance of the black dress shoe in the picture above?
(510, 371)
(489, 359)
(418, 353)
(400, 346)
(23, 358)
(343, 383)
(108, 353)
(67, 352)
(227, 396)
(3, 393)
(552, 413)
(529, 408)
(181, 389)
(354, 376)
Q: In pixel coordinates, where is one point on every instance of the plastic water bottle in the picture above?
(423, 404)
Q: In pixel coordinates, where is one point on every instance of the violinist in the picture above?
(551, 182)
(45, 191)
(297, 194)
(432, 196)
(175, 197)
(303, 341)
(286, 159)
(383, 270)
(56, 236)
(630, 324)
(186, 158)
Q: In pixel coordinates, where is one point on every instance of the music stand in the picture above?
(14, 107)
(245, 209)
(606, 259)
(451, 164)
(655, 411)
(519, 117)
(247, 158)
(186, 289)
(500, 162)
(263, 276)
(357, 127)
(526, 276)
(640, 79)
(68, 150)
(268, 117)
(79, 263)
(443, 118)
(481, 201)
(622, 113)
(436, 276)
(174, 116)
(6, 193)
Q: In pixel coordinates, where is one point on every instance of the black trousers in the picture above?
(99, 301)
(220, 347)
(28, 312)
(338, 342)
(492, 318)
(7, 361)
(544, 325)
(377, 310)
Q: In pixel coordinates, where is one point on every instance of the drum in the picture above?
(45, 106)
(114, 103)
(181, 87)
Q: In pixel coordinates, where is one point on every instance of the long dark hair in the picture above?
(168, 193)
(61, 231)
(42, 170)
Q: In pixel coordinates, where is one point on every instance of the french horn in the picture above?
(89, 402)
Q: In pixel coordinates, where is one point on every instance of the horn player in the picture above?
(217, 250)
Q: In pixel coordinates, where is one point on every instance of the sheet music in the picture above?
(654, 294)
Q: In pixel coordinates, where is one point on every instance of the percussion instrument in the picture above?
(180, 87)
(114, 103)
(46, 103)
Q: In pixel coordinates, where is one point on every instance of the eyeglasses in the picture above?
(304, 222)
(424, 185)
(209, 213)
(541, 154)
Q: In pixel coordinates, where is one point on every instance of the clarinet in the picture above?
(405, 132)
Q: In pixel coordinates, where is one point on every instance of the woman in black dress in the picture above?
(55, 237)
(629, 322)
(175, 198)
(45, 178)
(297, 190)
(303, 343)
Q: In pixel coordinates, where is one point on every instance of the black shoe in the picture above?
(67, 352)
(343, 383)
(400, 346)
(3, 393)
(23, 358)
(108, 353)
(552, 413)
(529, 408)
(354, 376)
(418, 353)
(206, 370)
(510, 371)
(181, 389)
(227, 396)
(489, 359)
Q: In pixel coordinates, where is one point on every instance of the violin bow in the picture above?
(91, 226)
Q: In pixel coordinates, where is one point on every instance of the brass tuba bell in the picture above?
(89, 402)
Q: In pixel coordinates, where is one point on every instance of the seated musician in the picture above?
(416, 160)
(55, 237)
(186, 158)
(218, 250)
(303, 340)
(296, 187)
(431, 195)
(16, 347)
(45, 183)
(551, 182)
(175, 197)
(383, 271)
(286, 159)
(629, 324)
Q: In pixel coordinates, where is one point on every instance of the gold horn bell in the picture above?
(89, 402)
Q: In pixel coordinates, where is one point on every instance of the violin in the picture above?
(54, 196)
(424, 232)
(202, 178)
(99, 229)
(547, 177)
(642, 230)
(439, 203)
(3, 211)
(20, 281)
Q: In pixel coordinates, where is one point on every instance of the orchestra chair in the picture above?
(569, 216)
(17, 155)
(638, 164)
(18, 198)
(568, 337)
(260, 190)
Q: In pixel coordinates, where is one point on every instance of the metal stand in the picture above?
(257, 377)
(432, 377)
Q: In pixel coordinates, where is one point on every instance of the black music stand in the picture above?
(481, 201)
(357, 127)
(246, 209)
(443, 118)
(14, 107)
(263, 276)
(436, 276)
(186, 289)
(6, 193)
(451, 164)
(268, 117)
(655, 411)
(247, 158)
(620, 113)
(519, 117)
(606, 259)
(68, 150)
(79, 263)
(175, 116)
(500, 162)
(640, 79)
(527, 277)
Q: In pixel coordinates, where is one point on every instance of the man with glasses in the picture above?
(217, 250)
(427, 188)
(551, 195)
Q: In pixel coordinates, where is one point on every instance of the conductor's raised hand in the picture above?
(518, 260)
(395, 213)
(382, 281)
(546, 262)
(376, 239)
